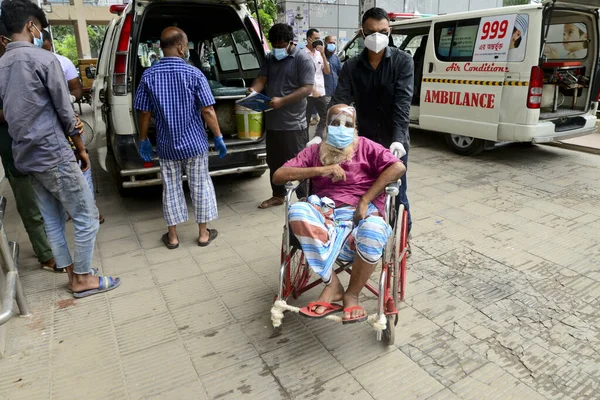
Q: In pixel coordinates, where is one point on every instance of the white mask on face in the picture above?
(376, 42)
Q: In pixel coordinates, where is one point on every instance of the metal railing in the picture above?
(9, 256)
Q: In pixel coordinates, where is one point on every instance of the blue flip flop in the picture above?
(107, 283)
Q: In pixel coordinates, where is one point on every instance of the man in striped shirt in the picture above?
(176, 92)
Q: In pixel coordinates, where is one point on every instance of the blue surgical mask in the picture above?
(38, 42)
(301, 45)
(331, 47)
(187, 55)
(339, 137)
(280, 54)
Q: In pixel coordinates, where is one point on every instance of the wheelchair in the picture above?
(295, 274)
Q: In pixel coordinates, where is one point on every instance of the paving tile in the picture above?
(102, 383)
(152, 372)
(161, 255)
(256, 250)
(440, 306)
(299, 366)
(416, 383)
(124, 263)
(264, 337)
(491, 382)
(25, 377)
(145, 333)
(220, 260)
(135, 306)
(152, 240)
(193, 390)
(134, 281)
(188, 291)
(177, 270)
(200, 317)
(340, 387)
(233, 279)
(84, 316)
(151, 225)
(110, 233)
(225, 347)
(251, 378)
(117, 247)
(412, 325)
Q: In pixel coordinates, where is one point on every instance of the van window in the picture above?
(567, 41)
(455, 40)
(245, 50)
(224, 46)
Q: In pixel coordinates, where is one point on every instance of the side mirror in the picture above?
(90, 72)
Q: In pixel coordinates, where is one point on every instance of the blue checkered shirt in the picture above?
(175, 91)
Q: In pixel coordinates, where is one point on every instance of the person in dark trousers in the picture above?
(23, 190)
(287, 76)
(335, 66)
(379, 81)
(38, 110)
(316, 52)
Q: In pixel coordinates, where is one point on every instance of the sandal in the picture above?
(272, 202)
(170, 246)
(212, 235)
(330, 308)
(353, 320)
(101, 219)
(106, 283)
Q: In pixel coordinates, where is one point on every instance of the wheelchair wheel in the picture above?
(401, 248)
(296, 273)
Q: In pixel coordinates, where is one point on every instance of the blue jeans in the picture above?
(63, 188)
(402, 196)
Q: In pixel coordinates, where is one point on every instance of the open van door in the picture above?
(583, 4)
(99, 94)
(464, 72)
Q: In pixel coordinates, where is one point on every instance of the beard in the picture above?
(330, 155)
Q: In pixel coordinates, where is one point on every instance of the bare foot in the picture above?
(349, 302)
(204, 235)
(331, 293)
(85, 282)
(272, 202)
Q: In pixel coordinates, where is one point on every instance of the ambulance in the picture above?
(515, 74)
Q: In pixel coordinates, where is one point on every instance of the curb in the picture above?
(575, 147)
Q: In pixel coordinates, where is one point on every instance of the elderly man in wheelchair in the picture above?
(343, 219)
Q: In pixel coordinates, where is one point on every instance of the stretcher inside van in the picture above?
(514, 74)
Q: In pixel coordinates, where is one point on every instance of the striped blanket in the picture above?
(326, 233)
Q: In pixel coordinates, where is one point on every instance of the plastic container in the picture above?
(249, 123)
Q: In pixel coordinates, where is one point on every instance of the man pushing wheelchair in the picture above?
(343, 219)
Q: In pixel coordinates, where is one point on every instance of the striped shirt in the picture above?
(175, 91)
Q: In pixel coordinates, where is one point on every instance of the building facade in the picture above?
(341, 17)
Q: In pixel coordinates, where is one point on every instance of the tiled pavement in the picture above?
(502, 299)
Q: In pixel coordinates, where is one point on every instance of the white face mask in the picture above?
(376, 42)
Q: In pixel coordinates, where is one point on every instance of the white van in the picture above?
(225, 44)
(514, 74)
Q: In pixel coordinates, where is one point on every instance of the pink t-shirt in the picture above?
(369, 161)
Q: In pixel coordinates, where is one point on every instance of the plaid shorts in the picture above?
(201, 187)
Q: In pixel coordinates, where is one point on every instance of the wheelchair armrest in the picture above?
(393, 189)
(291, 187)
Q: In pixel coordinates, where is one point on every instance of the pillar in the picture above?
(81, 33)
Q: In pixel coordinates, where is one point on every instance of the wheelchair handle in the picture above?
(393, 189)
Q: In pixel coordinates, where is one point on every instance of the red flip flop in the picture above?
(355, 319)
(330, 308)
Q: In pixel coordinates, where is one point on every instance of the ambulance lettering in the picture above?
(464, 99)
(485, 67)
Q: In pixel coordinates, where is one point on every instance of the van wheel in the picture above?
(465, 145)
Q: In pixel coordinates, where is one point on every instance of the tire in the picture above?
(465, 145)
(88, 134)
(297, 274)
